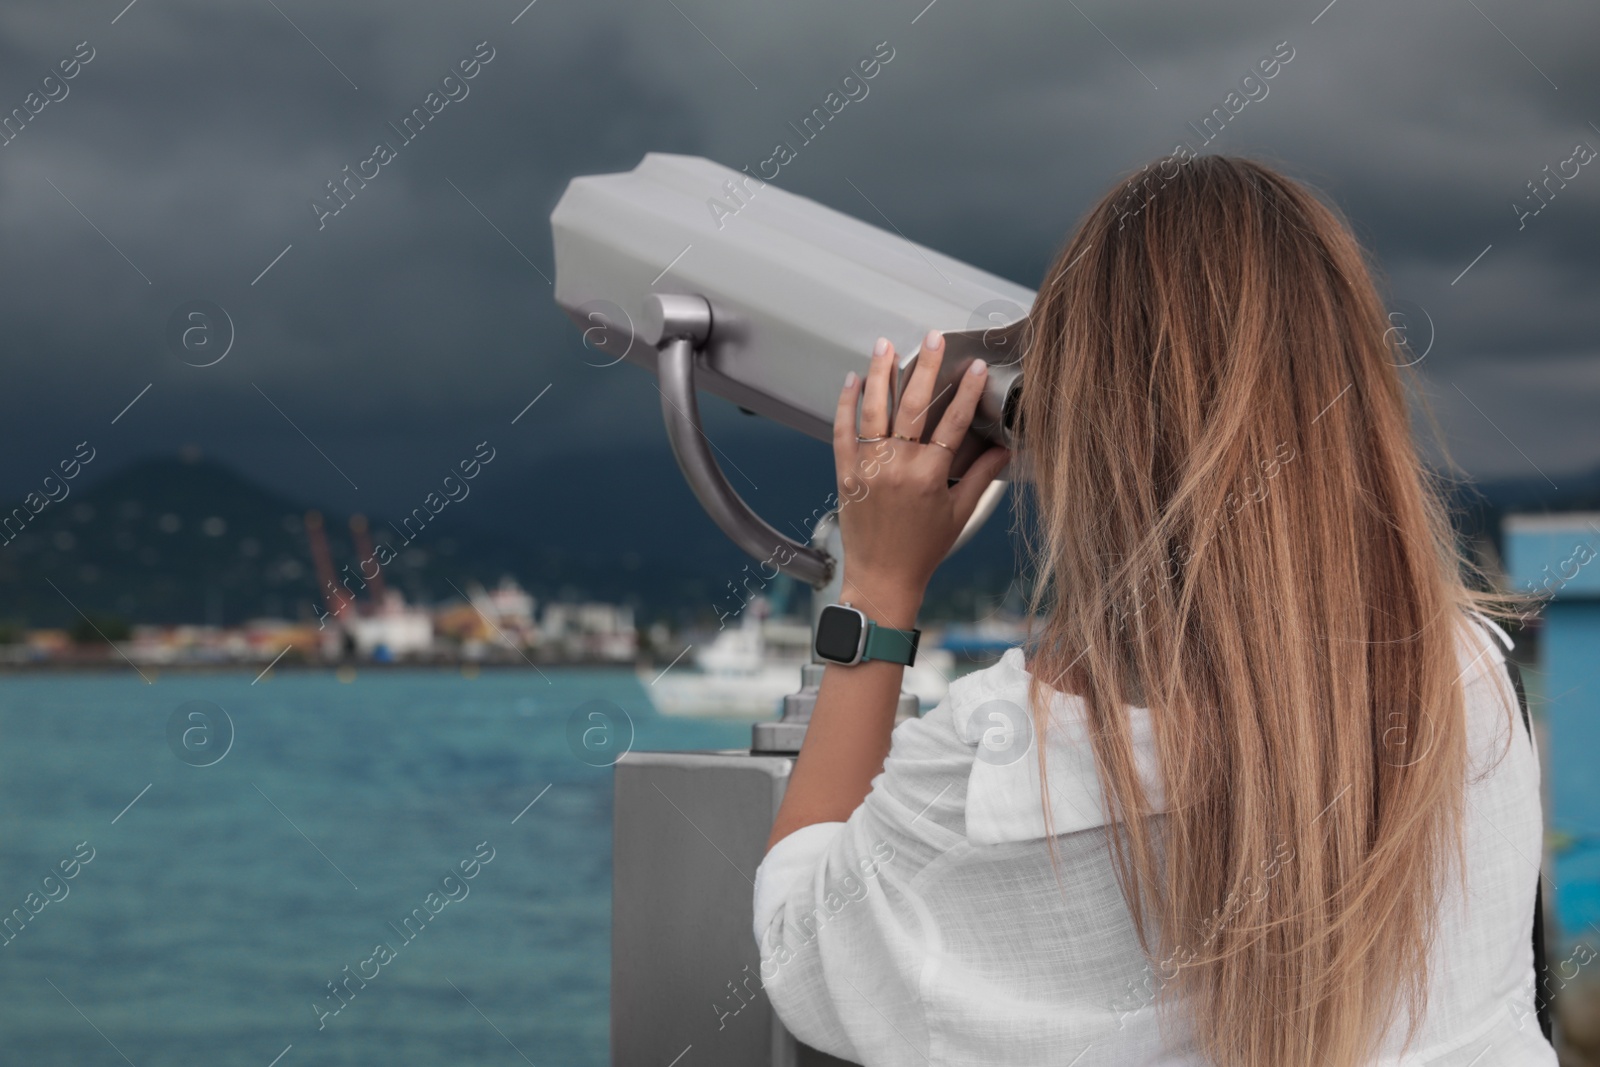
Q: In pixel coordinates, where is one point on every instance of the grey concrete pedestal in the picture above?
(690, 830)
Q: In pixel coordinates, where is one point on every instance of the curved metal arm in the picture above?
(681, 413)
(678, 325)
(987, 503)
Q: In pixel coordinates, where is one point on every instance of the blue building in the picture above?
(1551, 557)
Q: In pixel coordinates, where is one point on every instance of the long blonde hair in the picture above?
(1234, 529)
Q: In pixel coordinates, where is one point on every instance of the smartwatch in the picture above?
(846, 636)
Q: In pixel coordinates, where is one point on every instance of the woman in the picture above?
(1291, 815)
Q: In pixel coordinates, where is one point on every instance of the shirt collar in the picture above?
(989, 712)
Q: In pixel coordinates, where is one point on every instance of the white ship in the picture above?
(392, 630)
(747, 670)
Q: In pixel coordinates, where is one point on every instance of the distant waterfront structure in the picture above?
(508, 604)
(502, 618)
(498, 625)
(589, 631)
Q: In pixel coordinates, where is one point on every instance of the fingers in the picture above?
(912, 412)
(952, 428)
(969, 489)
(844, 424)
(875, 404)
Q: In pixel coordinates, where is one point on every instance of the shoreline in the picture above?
(304, 667)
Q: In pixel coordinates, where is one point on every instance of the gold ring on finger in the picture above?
(903, 437)
(944, 446)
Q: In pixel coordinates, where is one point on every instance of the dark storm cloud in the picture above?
(418, 320)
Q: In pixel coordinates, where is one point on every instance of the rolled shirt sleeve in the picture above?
(787, 865)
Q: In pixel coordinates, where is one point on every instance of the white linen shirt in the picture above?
(929, 927)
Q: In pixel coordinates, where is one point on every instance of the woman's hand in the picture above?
(898, 515)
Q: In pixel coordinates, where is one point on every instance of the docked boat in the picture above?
(747, 670)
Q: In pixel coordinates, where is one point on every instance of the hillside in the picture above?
(190, 540)
(169, 540)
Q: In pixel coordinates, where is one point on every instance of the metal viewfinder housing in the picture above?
(715, 280)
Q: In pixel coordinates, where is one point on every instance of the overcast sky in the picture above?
(370, 354)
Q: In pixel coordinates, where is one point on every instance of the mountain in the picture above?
(190, 540)
(176, 540)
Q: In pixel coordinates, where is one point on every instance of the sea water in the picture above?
(224, 895)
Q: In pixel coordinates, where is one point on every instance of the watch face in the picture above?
(839, 633)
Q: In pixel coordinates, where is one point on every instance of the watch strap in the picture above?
(887, 643)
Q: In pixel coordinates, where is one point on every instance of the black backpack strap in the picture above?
(1541, 968)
